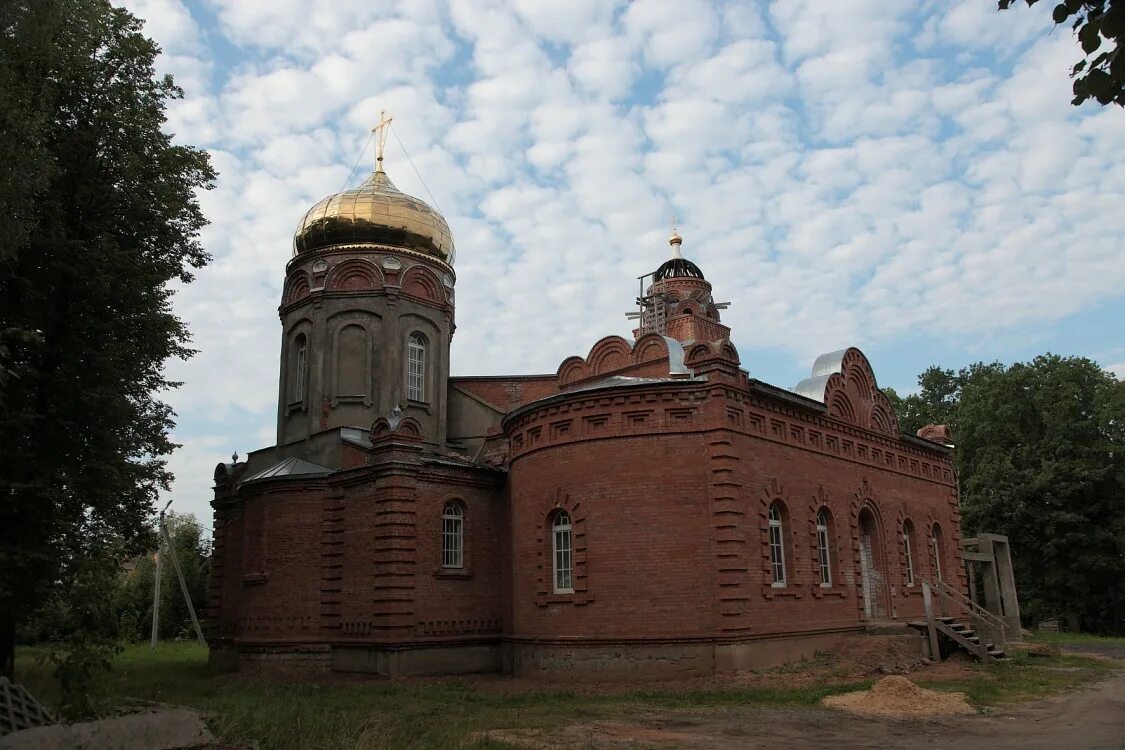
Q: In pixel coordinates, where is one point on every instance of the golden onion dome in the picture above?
(375, 212)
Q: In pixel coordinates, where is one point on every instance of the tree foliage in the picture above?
(124, 589)
(1099, 26)
(1040, 452)
(99, 215)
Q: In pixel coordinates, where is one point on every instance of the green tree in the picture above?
(1041, 455)
(109, 217)
(1100, 28)
(133, 598)
(935, 402)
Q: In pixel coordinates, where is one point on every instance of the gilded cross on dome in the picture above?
(380, 133)
(675, 240)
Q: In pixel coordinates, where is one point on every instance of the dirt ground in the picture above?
(1091, 718)
(853, 657)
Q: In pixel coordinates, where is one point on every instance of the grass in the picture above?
(382, 713)
(1024, 678)
(1082, 639)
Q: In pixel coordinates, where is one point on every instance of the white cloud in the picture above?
(860, 172)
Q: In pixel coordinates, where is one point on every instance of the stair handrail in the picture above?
(970, 605)
(988, 623)
(934, 624)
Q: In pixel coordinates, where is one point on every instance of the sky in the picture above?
(905, 177)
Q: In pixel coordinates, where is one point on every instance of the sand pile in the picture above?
(868, 654)
(898, 696)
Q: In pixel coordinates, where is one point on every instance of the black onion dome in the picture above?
(676, 268)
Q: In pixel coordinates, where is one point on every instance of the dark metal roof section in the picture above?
(290, 467)
(676, 268)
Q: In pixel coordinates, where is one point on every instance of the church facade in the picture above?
(648, 509)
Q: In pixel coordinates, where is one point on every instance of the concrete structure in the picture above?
(988, 558)
(649, 509)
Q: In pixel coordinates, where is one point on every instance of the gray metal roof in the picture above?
(825, 366)
(676, 364)
(614, 381)
(290, 467)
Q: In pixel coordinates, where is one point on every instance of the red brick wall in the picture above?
(361, 561)
(670, 486)
(667, 486)
(508, 393)
(641, 527)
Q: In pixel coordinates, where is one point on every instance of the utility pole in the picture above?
(156, 586)
(183, 586)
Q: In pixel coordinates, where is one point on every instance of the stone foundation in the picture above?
(771, 652)
(295, 660)
(611, 661)
(625, 661)
(429, 660)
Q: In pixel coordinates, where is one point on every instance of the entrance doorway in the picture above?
(872, 578)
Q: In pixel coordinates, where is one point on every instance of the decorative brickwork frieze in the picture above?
(394, 553)
(332, 526)
(544, 564)
(732, 550)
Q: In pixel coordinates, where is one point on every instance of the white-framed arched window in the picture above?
(777, 546)
(453, 536)
(824, 555)
(416, 367)
(908, 550)
(300, 368)
(936, 542)
(562, 553)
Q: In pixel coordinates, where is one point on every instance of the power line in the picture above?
(433, 200)
(357, 161)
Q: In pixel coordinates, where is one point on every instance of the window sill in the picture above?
(453, 573)
(578, 598)
(294, 407)
(255, 579)
(820, 591)
(771, 591)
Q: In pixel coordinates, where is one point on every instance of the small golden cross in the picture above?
(380, 133)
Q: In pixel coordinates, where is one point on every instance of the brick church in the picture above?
(649, 509)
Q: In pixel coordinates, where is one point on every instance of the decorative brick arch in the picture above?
(845, 383)
(610, 354)
(408, 429)
(712, 351)
(902, 516)
(838, 539)
(419, 281)
(947, 554)
(649, 348)
(356, 274)
(572, 370)
(545, 565)
(773, 491)
(296, 288)
(865, 499)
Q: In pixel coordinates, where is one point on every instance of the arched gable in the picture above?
(572, 370)
(423, 283)
(845, 383)
(649, 348)
(296, 287)
(356, 274)
(609, 355)
(711, 351)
